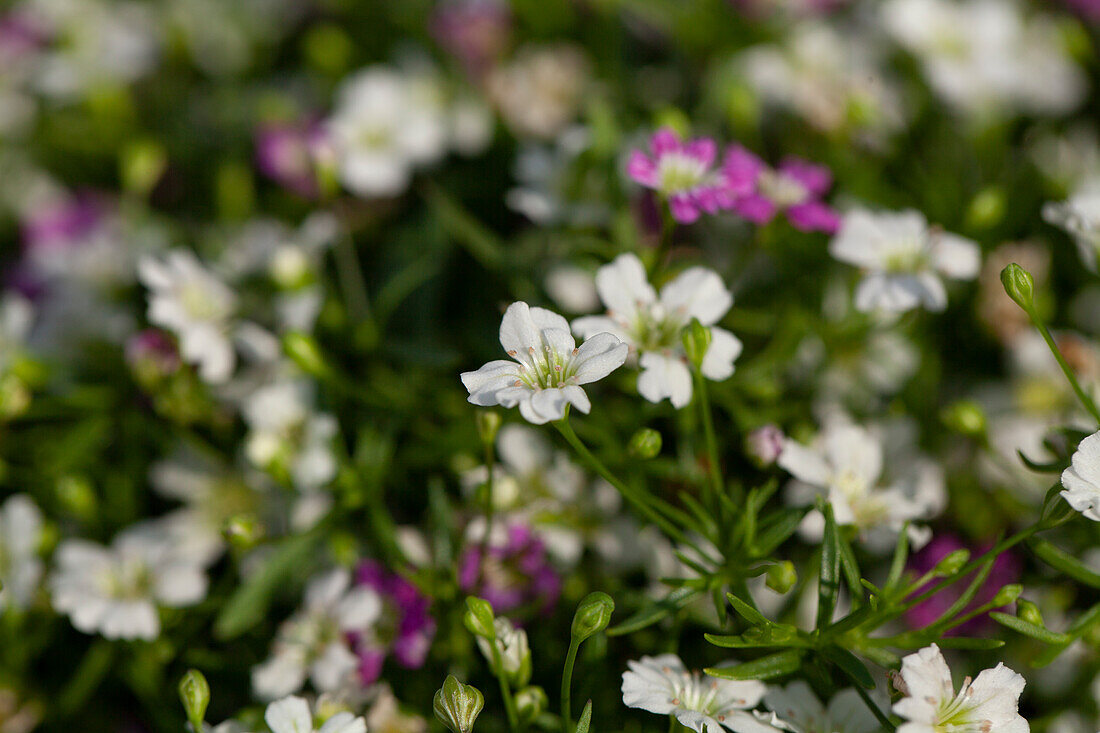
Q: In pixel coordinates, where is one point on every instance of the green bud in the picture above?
(234, 190)
(1019, 285)
(1028, 611)
(951, 564)
(141, 166)
(1007, 595)
(592, 616)
(304, 351)
(987, 208)
(457, 705)
(195, 696)
(243, 531)
(781, 577)
(645, 444)
(77, 496)
(488, 424)
(479, 618)
(966, 417)
(530, 703)
(696, 338)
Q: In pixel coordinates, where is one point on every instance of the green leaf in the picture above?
(1064, 562)
(777, 529)
(897, 563)
(654, 612)
(586, 718)
(758, 637)
(747, 611)
(849, 664)
(1029, 629)
(851, 569)
(248, 604)
(765, 668)
(829, 579)
(970, 643)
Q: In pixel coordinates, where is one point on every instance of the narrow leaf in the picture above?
(829, 578)
(1029, 629)
(849, 664)
(1061, 560)
(765, 668)
(654, 612)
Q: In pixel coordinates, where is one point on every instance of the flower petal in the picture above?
(289, 715)
(597, 357)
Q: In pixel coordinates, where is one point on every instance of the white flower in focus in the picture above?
(190, 301)
(930, 705)
(796, 708)
(845, 464)
(511, 644)
(652, 325)
(662, 685)
(20, 566)
(286, 433)
(314, 642)
(1079, 216)
(385, 124)
(1082, 479)
(115, 591)
(548, 368)
(903, 259)
(292, 715)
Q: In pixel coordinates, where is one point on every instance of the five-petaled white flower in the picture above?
(548, 368)
(1082, 479)
(292, 715)
(930, 705)
(662, 685)
(652, 325)
(115, 590)
(797, 709)
(904, 259)
(193, 303)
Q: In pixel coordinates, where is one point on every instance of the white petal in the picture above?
(289, 715)
(664, 376)
(803, 463)
(723, 351)
(956, 257)
(344, 723)
(484, 384)
(697, 293)
(599, 356)
(589, 326)
(622, 285)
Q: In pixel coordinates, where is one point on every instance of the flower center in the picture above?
(546, 369)
(654, 329)
(783, 190)
(954, 715)
(677, 172)
(909, 256)
(692, 692)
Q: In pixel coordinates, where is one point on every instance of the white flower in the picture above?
(115, 590)
(385, 124)
(662, 685)
(652, 325)
(548, 368)
(539, 91)
(1079, 216)
(903, 258)
(192, 302)
(292, 715)
(797, 709)
(285, 432)
(1082, 479)
(20, 566)
(314, 641)
(845, 464)
(931, 705)
(16, 318)
(515, 653)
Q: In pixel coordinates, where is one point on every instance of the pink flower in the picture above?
(476, 32)
(515, 572)
(795, 188)
(285, 154)
(1090, 9)
(683, 173)
(408, 629)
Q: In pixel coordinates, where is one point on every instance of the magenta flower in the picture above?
(63, 223)
(1006, 569)
(476, 32)
(405, 628)
(1090, 9)
(515, 573)
(285, 154)
(795, 188)
(683, 173)
(153, 352)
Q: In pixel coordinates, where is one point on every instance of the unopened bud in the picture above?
(195, 696)
(1007, 595)
(696, 338)
(1028, 611)
(77, 496)
(142, 164)
(243, 531)
(951, 564)
(530, 703)
(457, 705)
(645, 444)
(306, 354)
(479, 618)
(512, 652)
(966, 417)
(764, 445)
(781, 577)
(1019, 285)
(488, 424)
(592, 616)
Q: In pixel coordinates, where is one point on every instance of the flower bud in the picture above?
(243, 531)
(195, 696)
(764, 445)
(513, 650)
(966, 417)
(1007, 595)
(987, 208)
(1028, 611)
(951, 563)
(645, 444)
(457, 705)
(306, 354)
(530, 702)
(696, 338)
(1019, 285)
(488, 424)
(77, 496)
(479, 618)
(592, 616)
(141, 165)
(781, 577)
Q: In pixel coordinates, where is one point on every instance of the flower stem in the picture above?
(1085, 399)
(488, 488)
(505, 688)
(875, 710)
(716, 485)
(566, 684)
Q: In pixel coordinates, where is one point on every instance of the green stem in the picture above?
(566, 684)
(875, 710)
(717, 485)
(488, 511)
(1081, 394)
(350, 274)
(505, 689)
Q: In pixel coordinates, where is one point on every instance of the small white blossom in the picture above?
(1079, 216)
(540, 90)
(292, 715)
(115, 590)
(20, 566)
(193, 303)
(511, 644)
(1082, 479)
(797, 709)
(903, 258)
(930, 705)
(286, 433)
(548, 368)
(652, 325)
(662, 685)
(314, 642)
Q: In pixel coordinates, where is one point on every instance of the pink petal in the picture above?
(756, 208)
(813, 216)
(741, 169)
(703, 149)
(664, 141)
(817, 179)
(642, 169)
(683, 208)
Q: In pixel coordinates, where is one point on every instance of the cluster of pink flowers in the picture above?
(514, 573)
(407, 627)
(685, 174)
